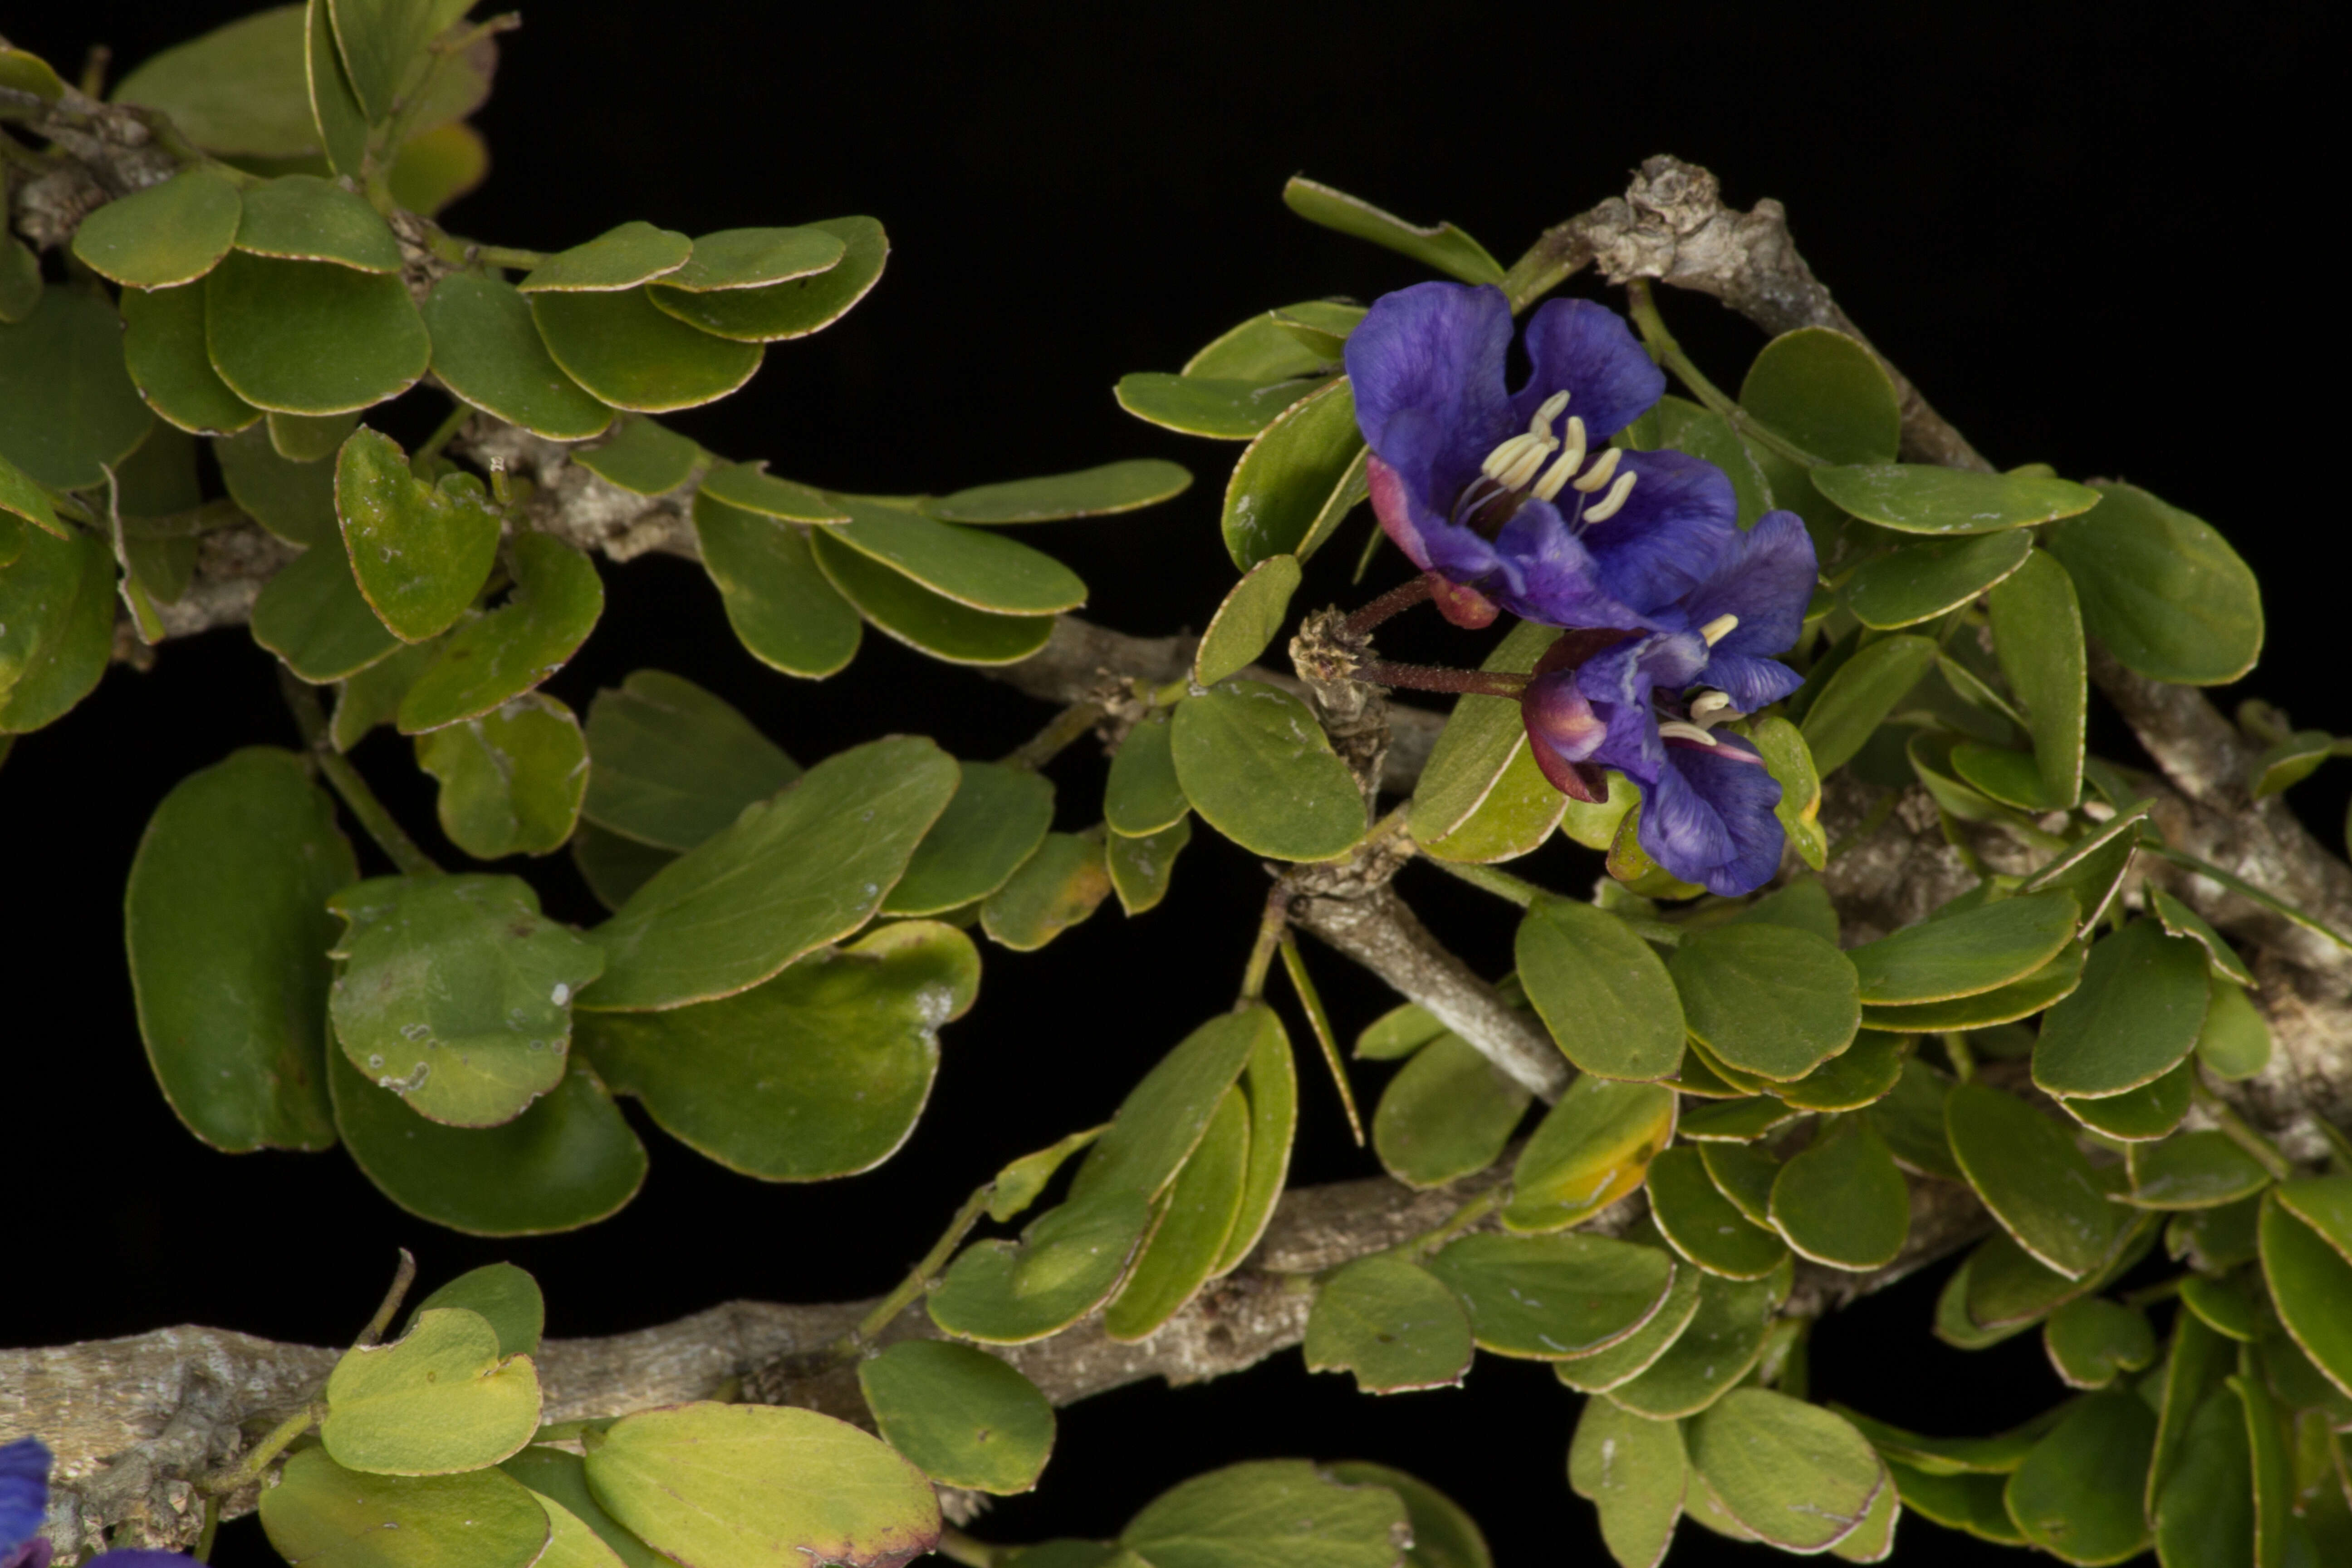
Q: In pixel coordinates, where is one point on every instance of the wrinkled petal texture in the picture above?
(139, 1557)
(36, 1553)
(1764, 576)
(1434, 352)
(1679, 523)
(1709, 820)
(1619, 683)
(24, 1492)
(1587, 349)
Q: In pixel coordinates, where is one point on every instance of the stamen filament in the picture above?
(1604, 468)
(1610, 504)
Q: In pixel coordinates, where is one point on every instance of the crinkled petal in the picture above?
(1587, 351)
(1670, 535)
(24, 1491)
(139, 1557)
(1550, 577)
(1436, 350)
(1709, 820)
(1765, 577)
(1750, 682)
(37, 1552)
(1559, 718)
(1402, 518)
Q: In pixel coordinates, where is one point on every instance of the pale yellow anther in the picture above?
(1515, 461)
(1675, 729)
(1716, 630)
(1604, 469)
(1549, 410)
(1711, 707)
(1607, 507)
(1555, 479)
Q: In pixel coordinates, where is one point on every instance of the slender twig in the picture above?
(257, 1458)
(919, 1280)
(403, 1276)
(1271, 927)
(1437, 678)
(1668, 353)
(1294, 963)
(1065, 727)
(451, 423)
(957, 1547)
(1487, 879)
(1414, 591)
(380, 824)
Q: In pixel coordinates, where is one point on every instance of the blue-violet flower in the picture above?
(1514, 500)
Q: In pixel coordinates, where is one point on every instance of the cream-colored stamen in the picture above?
(1549, 411)
(1716, 630)
(1563, 469)
(1516, 460)
(1710, 706)
(1604, 468)
(1675, 729)
(1608, 505)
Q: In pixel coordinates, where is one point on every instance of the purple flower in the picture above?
(1647, 705)
(24, 1499)
(1515, 498)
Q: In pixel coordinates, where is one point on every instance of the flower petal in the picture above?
(1560, 721)
(1670, 537)
(1764, 576)
(1550, 577)
(1589, 352)
(1750, 682)
(1438, 350)
(24, 1491)
(1709, 818)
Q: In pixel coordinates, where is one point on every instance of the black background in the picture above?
(2083, 230)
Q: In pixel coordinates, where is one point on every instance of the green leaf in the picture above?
(623, 350)
(296, 501)
(1258, 768)
(1826, 392)
(2010, 1289)
(2078, 1494)
(1143, 796)
(2204, 1513)
(1222, 408)
(420, 552)
(809, 867)
(1840, 1201)
(20, 271)
(1911, 1120)
(510, 779)
(750, 488)
(301, 217)
(2161, 589)
(1290, 472)
(1020, 1182)
(380, 41)
(57, 628)
(508, 1299)
(1259, 349)
(237, 89)
(790, 309)
(615, 867)
(1799, 1476)
(1965, 954)
(1447, 1114)
(2150, 1112)
(2222, 1306)
(1269, 1513)
(755, 257)
(1057, 886)
(2134, 1017)
(21, 498)
(567, 1161)
(1634, 1470)
(1767, 999)
(574, 1542)
(2192, 1170)
(1391, 1323)
(2289, 761)
(782, 608)
(997, 819)
(1590, 1148)
(2192, 1369)
(1995, 1456)
(1907, 583)
(1743, 1174)
(2031, 1175)
(1861, 1075)
(311, 337)
(619, 258)
(1966, 1502)
(643, 457)
(1638, 1351)
(1915, 498)
(1860, 694)
(164, 236)
(457, 994)
(673, 763)
(1791, 763)
(1723, 1341)
(299, 439)
(68, 408)
(1443, 1535)
(1065, 1264)
(1189, 1229)
(1601, 990)
(311, 616)
(1249, 620)
(557, 1477)
(929, 622)
(345, 1518)
(487, 662)
(2037, 632)
(1441, 246)
(2092, 1340)
(1481, 738)
(962, 1415)
(487, 350)
(1738, 1121)
(1984, 1009)
(1549, 1297)
(820, 1072)
(2310, 1279)
(1140, 868)
(727, 1483)
(1270, 1083)
(1514, 819)
(1397, 1033)
(1089, 493)
(438, 1400)
(227, 929)
(1703, 1224)
(1166, 1115)
(973, 567)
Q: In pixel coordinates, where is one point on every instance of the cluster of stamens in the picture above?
(1709, 708)
(1525, 463)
